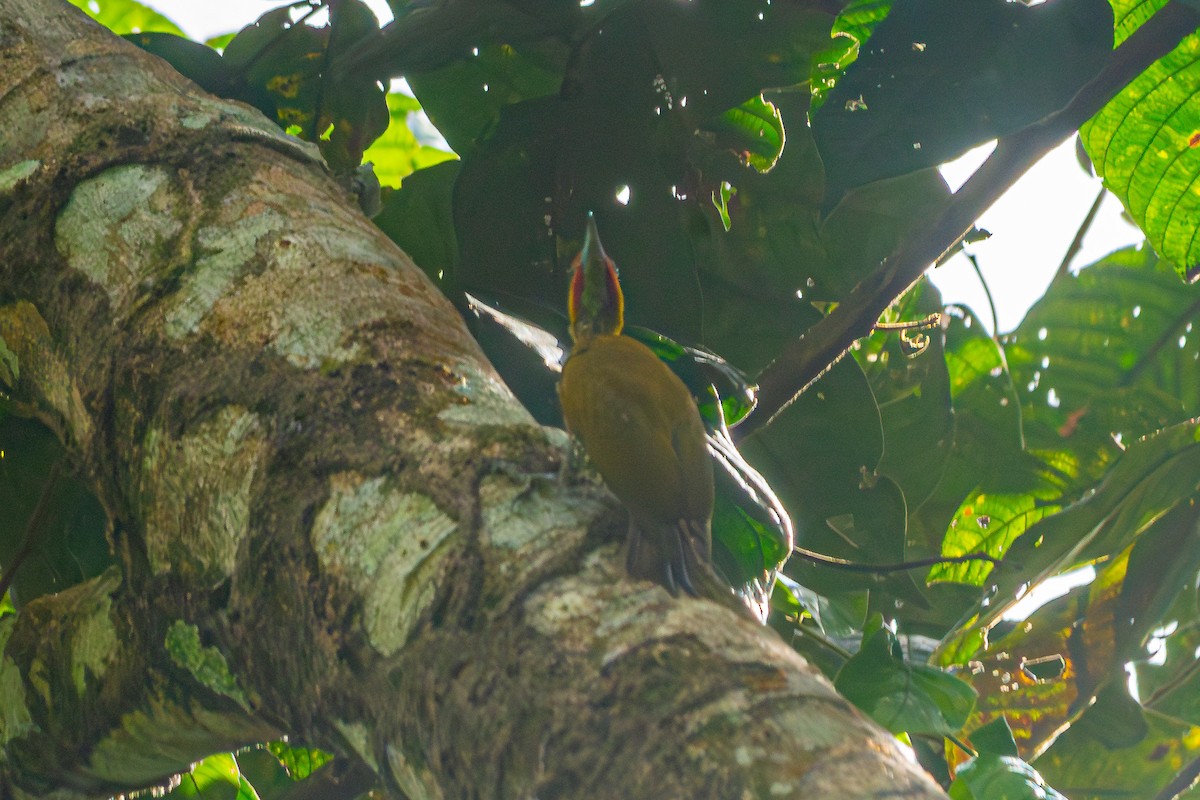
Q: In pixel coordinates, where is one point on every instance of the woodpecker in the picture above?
(641, 431)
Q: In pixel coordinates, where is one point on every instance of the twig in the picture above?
(987, 292)
(1185, 675)
(882, 569)
(803, 361)
(1077, 242)
(1184, 779)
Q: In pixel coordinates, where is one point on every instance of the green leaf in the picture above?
(353, 103)
(1153, 476)
(1143, 143)
(215, 778)
(851, 29)
(397, 153)
(126, 16)
(419, 217)
(901, 696)
(300, 762)
(915, 406)
(997, 777)
(1114, 349)
(1114, 719)
(278, 67)
(995, 738)
(753, 131)
(820, 456)
(464, 100)
(428, 36)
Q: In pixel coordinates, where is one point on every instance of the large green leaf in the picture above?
(300, 762)
(992, 488)
(464, 98)
(1143, 143)
(993, 777)
(912, 387)
(215, 778)
(1107, 351)
(419, 217)
(1153, 476)
(1114, 349)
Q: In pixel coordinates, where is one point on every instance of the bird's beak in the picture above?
(591, 256)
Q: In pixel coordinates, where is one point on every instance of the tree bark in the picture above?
(332, 520)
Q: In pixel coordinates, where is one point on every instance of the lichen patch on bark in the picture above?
(226, 247)
(44, 371)
(118, 226)
(11, 176)
(414, 779)
(529, 524)
(206, 664)
(214, 466)
(485, 399)
(94, 641)
(390, 545)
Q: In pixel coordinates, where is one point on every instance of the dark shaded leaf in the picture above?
(938, 77)
(70, 544)
(1086, 769)
(198, 62)
(997, 777)
(901, 696)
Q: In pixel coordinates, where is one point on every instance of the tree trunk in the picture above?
(331, 518)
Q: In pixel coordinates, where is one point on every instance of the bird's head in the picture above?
(595, 304)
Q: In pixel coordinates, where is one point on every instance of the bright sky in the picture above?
(1032, 225)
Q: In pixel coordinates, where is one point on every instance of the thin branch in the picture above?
(1184, 779)
(883, 569)
(809, 633)
(987, 292)
(1185, 675)
(1077, 242)
(806, 359)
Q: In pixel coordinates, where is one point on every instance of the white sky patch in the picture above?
(1032, 226)
(1048, 590)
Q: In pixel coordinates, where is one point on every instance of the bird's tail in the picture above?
(679, 557)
